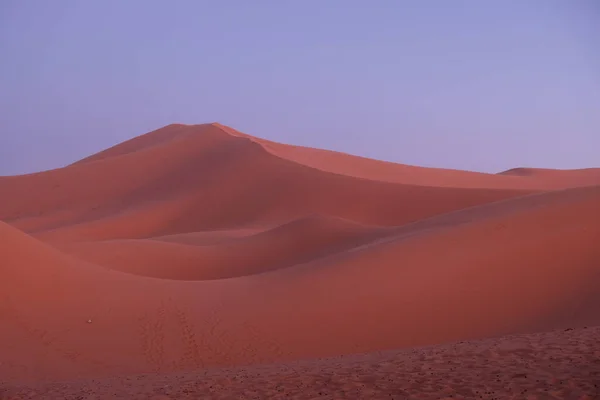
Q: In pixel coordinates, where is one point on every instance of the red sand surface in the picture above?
(191, 251)
(555, 365)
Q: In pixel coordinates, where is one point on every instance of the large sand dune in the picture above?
(208, 179)
(199, 246)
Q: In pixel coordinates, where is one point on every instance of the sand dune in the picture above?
(195, 247)
(442, 284)
(155, 173)
(208, 179)
(294, 243)
(554, 178)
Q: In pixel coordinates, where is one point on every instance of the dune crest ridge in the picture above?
(361, 167)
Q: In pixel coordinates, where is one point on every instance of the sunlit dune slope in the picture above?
(525, 264)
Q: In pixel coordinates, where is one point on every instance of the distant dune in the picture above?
(199, 247)
(553, 178)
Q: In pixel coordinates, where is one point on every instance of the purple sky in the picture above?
(484, 85)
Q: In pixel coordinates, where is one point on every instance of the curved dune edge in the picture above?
(558, 178)
(366, 168)
(207, 238)
(558, 363)
(524, 171)
(441, 285)
(295, 242)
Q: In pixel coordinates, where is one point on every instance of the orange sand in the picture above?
(196, 247)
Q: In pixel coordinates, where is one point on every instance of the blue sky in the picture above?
(468, 84)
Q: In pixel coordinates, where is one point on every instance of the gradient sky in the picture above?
(484, 85)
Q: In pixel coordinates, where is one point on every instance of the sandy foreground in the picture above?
(200, 262)
(555, 365)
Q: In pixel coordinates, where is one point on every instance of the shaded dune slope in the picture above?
(205, 238)
(293, 243)
(522, 265)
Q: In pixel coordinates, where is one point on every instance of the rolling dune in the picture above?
(294, 243)
(195, 247)
(207, 179)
